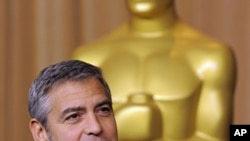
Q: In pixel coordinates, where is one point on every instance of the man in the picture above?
(71, 101)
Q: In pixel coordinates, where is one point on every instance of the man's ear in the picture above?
(38, 131)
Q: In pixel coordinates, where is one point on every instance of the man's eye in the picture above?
(73, 117)
(105, 111)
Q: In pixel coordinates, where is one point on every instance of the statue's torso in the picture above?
(165, 68)
(165, 74)
(157, 67)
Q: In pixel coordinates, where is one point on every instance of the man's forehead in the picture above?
(77, 93)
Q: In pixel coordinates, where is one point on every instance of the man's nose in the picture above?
(93, 125)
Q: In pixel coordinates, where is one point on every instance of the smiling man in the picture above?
(71, 101)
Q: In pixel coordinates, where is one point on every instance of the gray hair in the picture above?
(70, 70)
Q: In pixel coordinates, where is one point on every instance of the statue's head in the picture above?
(148, 8)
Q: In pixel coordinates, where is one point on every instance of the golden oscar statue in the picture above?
(169, 81)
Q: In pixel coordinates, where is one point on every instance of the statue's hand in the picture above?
(139, 119)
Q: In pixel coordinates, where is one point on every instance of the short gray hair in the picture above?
(69, 70)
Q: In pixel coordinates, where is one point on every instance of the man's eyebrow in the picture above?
(79, 108)
(105, 102)
(69, 110)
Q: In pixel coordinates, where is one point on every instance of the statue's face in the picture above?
(148, 8)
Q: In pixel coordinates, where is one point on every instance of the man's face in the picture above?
(81, 111)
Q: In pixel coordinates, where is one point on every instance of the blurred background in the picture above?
(37, 33)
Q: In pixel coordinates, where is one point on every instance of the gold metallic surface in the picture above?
(169, 81)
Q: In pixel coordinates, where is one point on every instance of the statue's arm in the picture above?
(215, 108)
